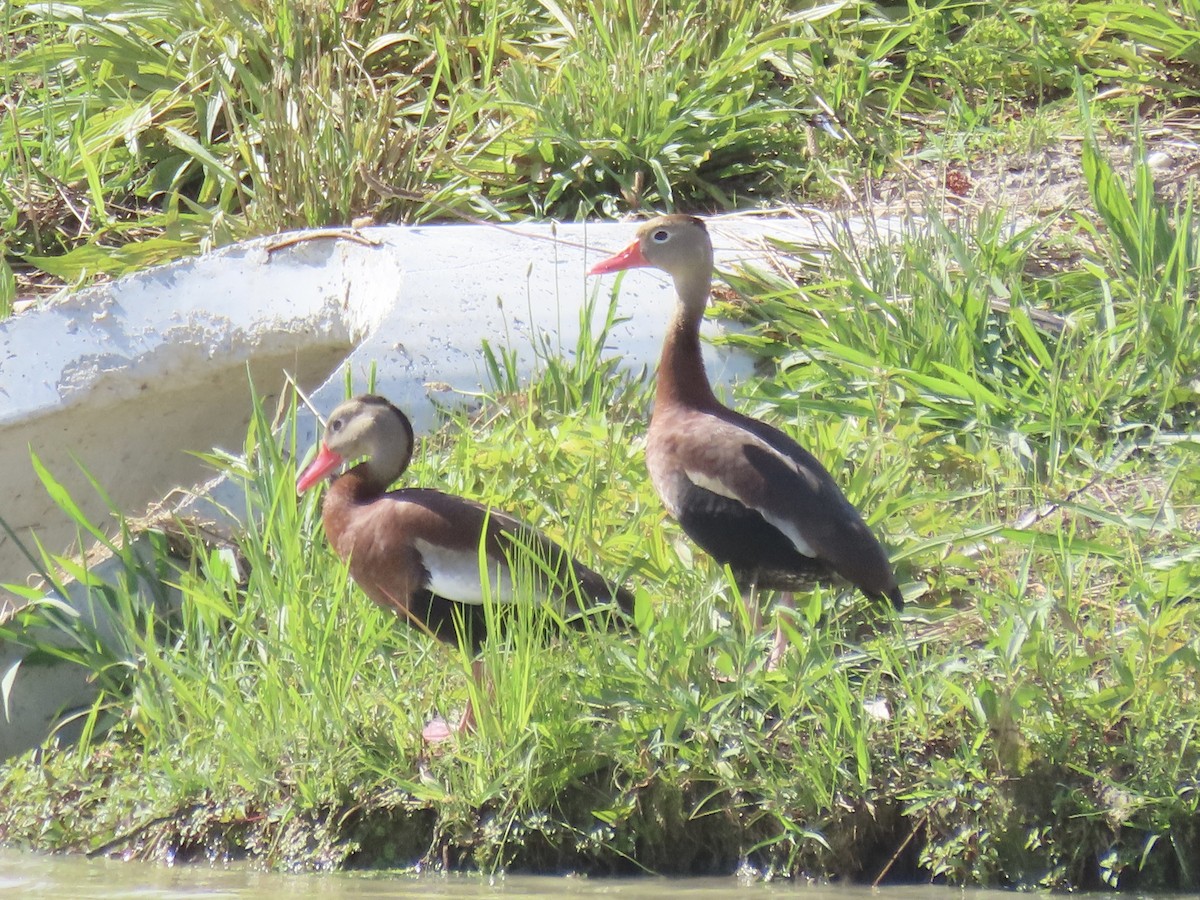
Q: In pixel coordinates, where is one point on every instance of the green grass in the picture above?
(1029, 720)
(1018, 423)
(134, 133)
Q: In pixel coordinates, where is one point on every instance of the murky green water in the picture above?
(66, 877)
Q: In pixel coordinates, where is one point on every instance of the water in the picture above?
(31, 875)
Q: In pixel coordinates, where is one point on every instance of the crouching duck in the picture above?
(743, 490)
(417, 551)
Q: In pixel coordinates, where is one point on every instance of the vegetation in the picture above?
(1030, 720)
(1016, 407)
(137, 132)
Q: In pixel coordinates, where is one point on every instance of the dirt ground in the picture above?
(1044, 184)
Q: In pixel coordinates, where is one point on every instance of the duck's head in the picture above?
(366, 427)
(678, 245)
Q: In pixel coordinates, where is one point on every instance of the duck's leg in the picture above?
(466, 724)
(753, 612)
(439, 730)
(780, 644)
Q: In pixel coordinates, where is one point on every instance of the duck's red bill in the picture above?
(629, 258)
(324, 464)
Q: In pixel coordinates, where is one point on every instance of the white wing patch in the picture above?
(454, 574)
(791, 533)
(787, 528)
(716, 485)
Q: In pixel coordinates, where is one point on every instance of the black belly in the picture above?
(466, 623)
(741, 538)
(450, 621)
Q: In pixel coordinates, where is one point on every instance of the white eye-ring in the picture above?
(661, 236)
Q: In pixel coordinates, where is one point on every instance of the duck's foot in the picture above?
(437, 731)
(778, 648)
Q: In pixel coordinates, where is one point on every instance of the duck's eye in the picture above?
(661, 236)
(335, 425)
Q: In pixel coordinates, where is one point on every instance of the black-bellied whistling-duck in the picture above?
(416, 551)
(743, 490)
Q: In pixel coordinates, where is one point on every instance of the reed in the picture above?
(134, 133)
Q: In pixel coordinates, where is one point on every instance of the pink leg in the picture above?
(753, 612)
(780, 645)
(439, 730)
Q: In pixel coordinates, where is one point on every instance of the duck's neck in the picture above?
(367, 480)
(359, 485)
(682, 380)
(349, 491)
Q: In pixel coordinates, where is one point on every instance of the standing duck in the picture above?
(743, 490)
(417, 551)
